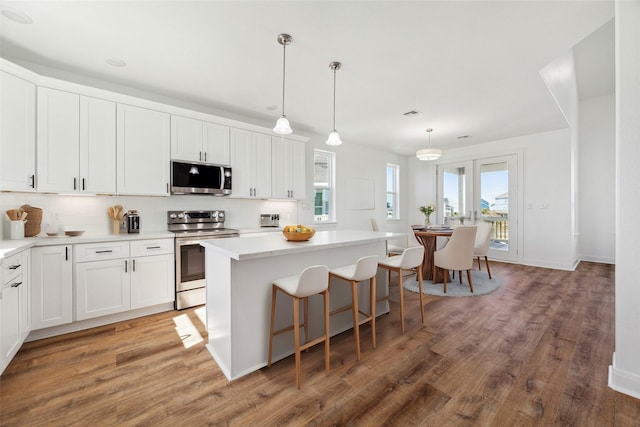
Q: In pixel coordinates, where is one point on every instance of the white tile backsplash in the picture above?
(89, 213)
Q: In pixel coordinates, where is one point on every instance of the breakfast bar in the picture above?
(239, 273)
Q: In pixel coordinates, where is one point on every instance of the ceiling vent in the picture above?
(411, 113)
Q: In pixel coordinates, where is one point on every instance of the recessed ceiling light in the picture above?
(16, 15)
(272, 107)
(464, 136)
(115, 62)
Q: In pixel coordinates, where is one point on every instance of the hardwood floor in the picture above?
(534, 352)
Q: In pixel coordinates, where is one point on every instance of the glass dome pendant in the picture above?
(334, 138)
(282, 125)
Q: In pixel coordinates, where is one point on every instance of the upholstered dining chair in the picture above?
(481, 247)
(457, 255)
(393, 249)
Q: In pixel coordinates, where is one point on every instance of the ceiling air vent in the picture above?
(411, 113)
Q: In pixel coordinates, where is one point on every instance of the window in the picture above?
(323, 184)
(392, 191)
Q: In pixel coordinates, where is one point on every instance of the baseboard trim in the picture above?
(623, 381)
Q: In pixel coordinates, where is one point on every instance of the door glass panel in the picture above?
(494, 202)
(454, 193)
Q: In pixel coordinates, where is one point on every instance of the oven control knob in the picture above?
(173, 216)
(221, 215)
(180, 215)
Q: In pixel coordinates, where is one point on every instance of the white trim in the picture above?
(623, 381)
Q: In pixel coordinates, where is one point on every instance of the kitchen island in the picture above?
(239, 273)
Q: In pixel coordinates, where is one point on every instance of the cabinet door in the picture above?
(186, 139)
(51, 286)
(143, 146)
(10, 326)
(298, 170)
(287, 169)
(102, 287)
(262, 165)
(25, 296)
(216, 144)
(97, 146)
(242, 163)
(58, 140)
(152, 280)
(17, 133)
(280, 166)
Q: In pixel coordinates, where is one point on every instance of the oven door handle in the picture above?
(190, 241)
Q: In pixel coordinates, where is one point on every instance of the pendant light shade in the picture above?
(282, 125)
(429, 153)
(334, 138)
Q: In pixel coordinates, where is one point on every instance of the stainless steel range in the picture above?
(191, 227)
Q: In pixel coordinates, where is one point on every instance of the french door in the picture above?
(482, 190)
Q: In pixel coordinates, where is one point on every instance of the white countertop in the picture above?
(10, 247)
(240, 248)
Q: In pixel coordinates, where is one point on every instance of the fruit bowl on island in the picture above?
(298, 233)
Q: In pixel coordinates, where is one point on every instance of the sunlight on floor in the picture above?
(187, 331)
(201, 312)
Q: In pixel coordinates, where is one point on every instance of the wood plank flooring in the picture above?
(535, 352)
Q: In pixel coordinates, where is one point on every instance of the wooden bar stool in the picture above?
(313, 280)
(411, 259)
(364, 269)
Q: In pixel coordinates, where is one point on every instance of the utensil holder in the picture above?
(115, 225)
(17, 230)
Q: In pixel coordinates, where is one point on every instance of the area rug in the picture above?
(482, 285)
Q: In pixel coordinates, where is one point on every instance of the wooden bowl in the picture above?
(298, 237)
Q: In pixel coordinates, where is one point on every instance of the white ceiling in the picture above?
(470, 67)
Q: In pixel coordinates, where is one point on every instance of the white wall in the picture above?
(596, 171)
(624, 373)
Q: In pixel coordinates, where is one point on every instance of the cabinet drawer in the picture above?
(11, 267)
(100, 251)
(151, 247)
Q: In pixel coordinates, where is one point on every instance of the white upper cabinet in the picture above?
(143, 151)
(250, 164)
(97, 146)
(17, 133)
(198, 141)
(216, 144)
(288, 169)
(76, 143)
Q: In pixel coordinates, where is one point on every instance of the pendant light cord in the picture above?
(334, 99)
(284, 62)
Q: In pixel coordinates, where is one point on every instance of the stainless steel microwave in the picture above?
(200, 178)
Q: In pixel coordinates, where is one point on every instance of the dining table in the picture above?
(428, 238)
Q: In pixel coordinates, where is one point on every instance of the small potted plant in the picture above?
(427, 211)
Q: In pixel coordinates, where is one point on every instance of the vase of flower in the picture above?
(427, 211)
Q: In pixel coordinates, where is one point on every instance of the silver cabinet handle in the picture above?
(75, 183)
(153, 247)
(205, 156)
(16, 284)
(33, 181)
(66, 253)
(200, 158)
(83, 184)
(125, 266)
(104, 252)
(134, 265)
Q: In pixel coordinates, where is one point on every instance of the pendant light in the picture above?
(282, 125)
(429, 153)
(334, 138)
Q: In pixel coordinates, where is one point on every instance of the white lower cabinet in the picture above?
(51, 286)
(15, 323)
(119, 276)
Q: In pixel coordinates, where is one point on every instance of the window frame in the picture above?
(330, 187)
(395, 193)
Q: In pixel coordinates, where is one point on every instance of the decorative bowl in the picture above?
(298, 237)
(73, 233)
